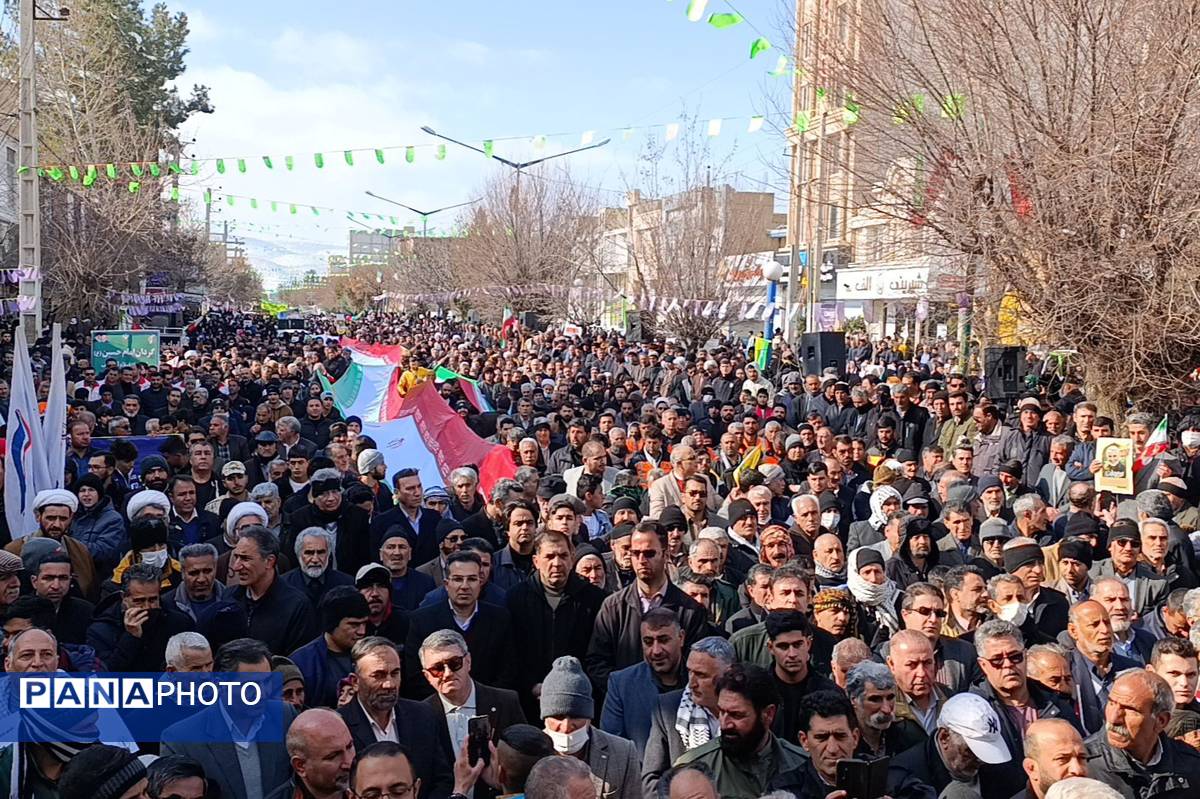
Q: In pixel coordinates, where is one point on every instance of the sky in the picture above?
(292, 78)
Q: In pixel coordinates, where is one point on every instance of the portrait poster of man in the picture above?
(1116, 465)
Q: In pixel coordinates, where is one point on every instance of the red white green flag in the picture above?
(1158, 443)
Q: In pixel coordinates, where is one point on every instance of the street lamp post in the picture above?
(518, 167)
(423, 214)
(772, 271)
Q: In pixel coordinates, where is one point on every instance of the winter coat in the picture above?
(102, 530)
(122, 651)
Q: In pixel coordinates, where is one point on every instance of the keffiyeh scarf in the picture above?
(695, 725)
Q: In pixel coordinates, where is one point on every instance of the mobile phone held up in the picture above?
(863, 779)
(479, 733)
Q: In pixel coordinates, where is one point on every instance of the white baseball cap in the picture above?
(976, 721)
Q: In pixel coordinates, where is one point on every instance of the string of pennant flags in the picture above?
(89, 174)
(951, 106)
(708, 308)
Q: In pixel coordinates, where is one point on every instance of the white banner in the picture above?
(886, 283)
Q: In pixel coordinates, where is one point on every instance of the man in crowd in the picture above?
(1132, 754)
(378, 713)
(633, 691)
(747, 759)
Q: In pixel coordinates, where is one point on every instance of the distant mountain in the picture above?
(281, 260)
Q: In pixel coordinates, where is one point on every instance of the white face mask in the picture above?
(156, 559)
(1190, 438)
(1014, 612)
(830, 520)
(568, 743)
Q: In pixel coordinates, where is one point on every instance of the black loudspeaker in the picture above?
(1002, 372)
(633, 325)
(819, 351)
(529, 320)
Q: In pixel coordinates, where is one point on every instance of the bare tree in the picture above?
(694, 234)
(1055, 145)
(530, 231)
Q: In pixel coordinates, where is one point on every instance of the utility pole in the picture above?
(29, 227)
(816, 250)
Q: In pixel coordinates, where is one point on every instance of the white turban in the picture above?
(144, 499)
(55, 496)
(241, 511)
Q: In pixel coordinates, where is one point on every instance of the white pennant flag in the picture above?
(714, 127)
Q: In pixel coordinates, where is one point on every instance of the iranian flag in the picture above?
(427, 435)
(1156, 444)
(374, 354)
(368, 392)
(468, 387)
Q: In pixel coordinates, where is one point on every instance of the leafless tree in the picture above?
(1055, 145)
(530, 231)
(691, 234)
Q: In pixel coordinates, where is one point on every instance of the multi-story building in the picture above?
(680, 246)
(863, 261)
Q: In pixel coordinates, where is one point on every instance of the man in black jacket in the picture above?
(486, 628)
(378, 713)
(314, 574)
(51, 579)
(1092, 661)
(447, 665)
(277, 614)
(1001, 649)
(616, 640)
(553, 614)
(328, 509)
(1023, 559)
(131, 628)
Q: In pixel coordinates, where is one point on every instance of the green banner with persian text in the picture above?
(126, 347)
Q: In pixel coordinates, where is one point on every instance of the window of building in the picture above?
(834, 229)
(843, 23)
(806, 42)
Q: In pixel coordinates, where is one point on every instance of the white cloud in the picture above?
(325, 52)
(468, 52)
(201, 27)
(256, 116)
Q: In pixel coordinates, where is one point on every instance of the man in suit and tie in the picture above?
(486, 629)
(239, 769)
(410, 513)
(446, 664)
(377, 713)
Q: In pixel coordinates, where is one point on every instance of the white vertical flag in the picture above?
(25, 471)
(54, 425)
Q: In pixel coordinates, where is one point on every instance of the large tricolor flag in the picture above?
(429, 436)
(367, 389)
(368, 392)
(1158, 443)
(374, 354)
(468, 387)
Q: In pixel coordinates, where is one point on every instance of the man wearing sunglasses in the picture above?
(923, 609)
(1018, 701)
(1146, 590)
(446, 664)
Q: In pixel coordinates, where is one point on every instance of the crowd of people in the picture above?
(703, 579)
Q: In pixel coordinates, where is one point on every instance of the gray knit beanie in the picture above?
(566, 691)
